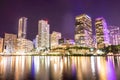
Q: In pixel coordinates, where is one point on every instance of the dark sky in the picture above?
(59, 13)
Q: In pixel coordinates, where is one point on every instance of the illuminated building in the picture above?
(102, 36)
(24, 45)
(43, 35)
(55, 36)
(36, 41)
(114, 35)
(64, 43)
(83, 30)
(10, 43)
(1, 44)
(22, 27)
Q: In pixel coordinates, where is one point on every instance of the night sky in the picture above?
(59, 13)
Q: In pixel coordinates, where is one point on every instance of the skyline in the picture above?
(60, 14)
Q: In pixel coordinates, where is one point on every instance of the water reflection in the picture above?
(59, 68)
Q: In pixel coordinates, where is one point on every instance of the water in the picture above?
(59, 68)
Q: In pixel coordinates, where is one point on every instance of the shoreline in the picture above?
(63, 55)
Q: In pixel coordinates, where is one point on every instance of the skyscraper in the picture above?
(43, 35)
(83, 30)
(22, 27)
(102, 36)
(114, 35)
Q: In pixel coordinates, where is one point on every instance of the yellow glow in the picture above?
(101, 64)
(36, 63)
(55, 67)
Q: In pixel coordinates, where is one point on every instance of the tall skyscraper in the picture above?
(83, 31)
(114, 35)
(55, 36)
(102, 36)
(43, 35)
(22, 27)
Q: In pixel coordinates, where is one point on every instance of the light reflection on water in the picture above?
(59, 68)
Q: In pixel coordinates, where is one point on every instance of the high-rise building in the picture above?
(22, 27)
(83, 30)
(55, 36)
(114, 35)
(102, 36)
(1, 45)
(43, 37)
(10, 43)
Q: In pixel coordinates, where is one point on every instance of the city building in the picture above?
(66, 42)
(1, 45)
(102, 36)
(55, 36)
(24, 45)
(83, 31)
(10, 43)
(43, 37)
(22, 27)
(62, 41)
(114, 32)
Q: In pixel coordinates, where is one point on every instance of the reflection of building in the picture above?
(102, 36)
(114, 35)
(22, 27)
(1, 44)
(10, 43)
(83, 31)
(24, 45)
(55, 36)
(43, 35)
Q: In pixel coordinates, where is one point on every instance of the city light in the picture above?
(53, 44)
